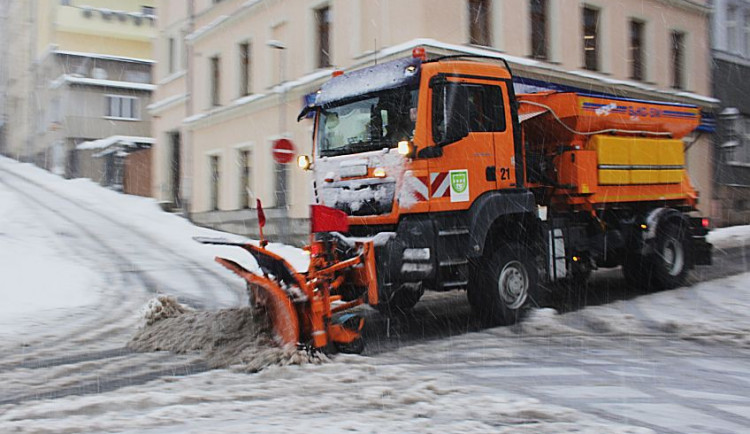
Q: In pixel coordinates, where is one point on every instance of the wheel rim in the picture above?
(513, 284)
(673, 256)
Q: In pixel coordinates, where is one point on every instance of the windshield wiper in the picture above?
(357, 147)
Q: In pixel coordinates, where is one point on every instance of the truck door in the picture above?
(507, 149)
(464, 122)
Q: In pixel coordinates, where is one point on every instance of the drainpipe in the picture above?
(187, 172)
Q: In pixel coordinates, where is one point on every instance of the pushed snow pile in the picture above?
(239, 337)
(162, 307)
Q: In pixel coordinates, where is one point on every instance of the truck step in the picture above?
(455, 284)
(453, 232)
(453, 262)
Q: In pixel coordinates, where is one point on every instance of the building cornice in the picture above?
(104, 56)
(70, 79)
(730, 58)
(172, 77)
(688, 5)
(222, 21)
(549, 72)
(166, 103)
(252, 103)
(522, 67)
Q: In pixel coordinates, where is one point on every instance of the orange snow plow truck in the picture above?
(433, 174)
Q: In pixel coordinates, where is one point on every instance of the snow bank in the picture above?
(710, 312)
(732, 236)
(146, 215)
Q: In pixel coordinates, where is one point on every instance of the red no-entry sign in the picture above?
(283, 151)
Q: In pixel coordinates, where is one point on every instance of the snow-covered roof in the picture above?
(104, 56)
(388, 75)
(115, 140)
(68, 78)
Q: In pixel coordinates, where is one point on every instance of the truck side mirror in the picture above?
(450, 113)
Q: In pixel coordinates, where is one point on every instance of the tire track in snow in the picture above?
(88, 329)
(223, 278)
(109, 384)
(120, 300)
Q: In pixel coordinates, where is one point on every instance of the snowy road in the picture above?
(82, 349)
(79, 262)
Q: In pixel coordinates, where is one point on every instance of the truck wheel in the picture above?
(354, 347)
(670, 256)
(504, 287)
(401, 302)
(638, 271)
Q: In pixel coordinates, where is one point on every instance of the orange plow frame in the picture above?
(301, 305)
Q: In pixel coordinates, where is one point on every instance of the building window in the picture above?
(245, 65)
(678, 59)
(171, 50)
(65, 2)
(479, 22)
(215, 174)
(148, 10)
(122, 107)
(637, 70)
(539, 29)
(323, 21)
(215, 77)
(591, 38)
(282, 179)
(246, 191)
(731, 26)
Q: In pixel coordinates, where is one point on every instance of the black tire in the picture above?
(638, 272)
(670, 255)
(504, 286)
(401, 302)
(354, 347)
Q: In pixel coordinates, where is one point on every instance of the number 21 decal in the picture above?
(504, 173)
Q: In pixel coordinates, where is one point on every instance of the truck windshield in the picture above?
(374, 122)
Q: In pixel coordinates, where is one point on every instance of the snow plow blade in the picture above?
(306, 308)
(266, 294)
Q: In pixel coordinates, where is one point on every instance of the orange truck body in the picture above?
(477, 160)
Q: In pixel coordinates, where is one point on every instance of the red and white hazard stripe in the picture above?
(440, 183)
(418, 186)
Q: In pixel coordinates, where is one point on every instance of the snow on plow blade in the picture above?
(301, 305)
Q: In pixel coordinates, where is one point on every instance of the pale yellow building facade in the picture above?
(218, 104)
(70, 62)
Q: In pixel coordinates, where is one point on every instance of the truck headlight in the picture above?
(304, 162)
(405, 148)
